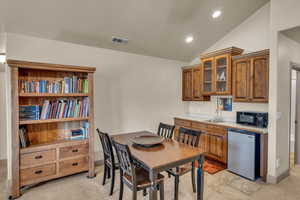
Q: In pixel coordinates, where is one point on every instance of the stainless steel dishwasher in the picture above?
(244, 153)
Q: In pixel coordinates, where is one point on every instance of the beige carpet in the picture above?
(221, 186)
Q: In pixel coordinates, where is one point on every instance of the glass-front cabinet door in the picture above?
(222, 75)
(208, 76)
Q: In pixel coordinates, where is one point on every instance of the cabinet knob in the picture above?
(75, 150)
(75, 164)
(38, 157)
(38, 172)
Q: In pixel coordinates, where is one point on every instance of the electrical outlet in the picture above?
(278, 163)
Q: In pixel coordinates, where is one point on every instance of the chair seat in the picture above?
(183, 169)
(142, 178)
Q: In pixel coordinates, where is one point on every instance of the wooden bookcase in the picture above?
(50, 153)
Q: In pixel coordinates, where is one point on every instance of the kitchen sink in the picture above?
(214, 120)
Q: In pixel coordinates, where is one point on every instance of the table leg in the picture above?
(153, 188)
(200, 179)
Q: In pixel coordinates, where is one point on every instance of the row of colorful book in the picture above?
(56, 109)
(65, 108)
(67, 85)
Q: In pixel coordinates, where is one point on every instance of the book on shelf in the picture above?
(30, 112)
(24, 140)
(65, 108)
(81, 133)
(67, 85)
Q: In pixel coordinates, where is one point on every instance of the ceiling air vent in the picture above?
(118, 40)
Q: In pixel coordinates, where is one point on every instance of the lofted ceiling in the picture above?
(153, 27)
(293, 33)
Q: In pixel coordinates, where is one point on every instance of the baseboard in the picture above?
(275, 180)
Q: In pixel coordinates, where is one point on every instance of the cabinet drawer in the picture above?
(35, 173)
(72, 166)
(216, 129)
(71, 151)
(199, 126)
(183, 123)
(40, 157)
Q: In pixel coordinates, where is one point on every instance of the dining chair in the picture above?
(110, 165)
(165, 130)
(136, 178)
(191, 138)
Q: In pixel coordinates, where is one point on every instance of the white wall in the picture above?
(251, 35)
(288, 51)
(132, 92)
(284, 15)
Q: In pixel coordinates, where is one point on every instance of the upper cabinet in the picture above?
(207, 76)
(217, 71)
(251, 77)
(192, 84)
(187, 84)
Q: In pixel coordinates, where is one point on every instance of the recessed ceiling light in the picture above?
(216, 14)
(189, 39)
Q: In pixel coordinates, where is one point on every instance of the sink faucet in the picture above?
(218, 110)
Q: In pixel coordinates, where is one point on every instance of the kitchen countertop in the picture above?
(226, 122)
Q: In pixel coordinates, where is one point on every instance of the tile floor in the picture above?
(221, 186)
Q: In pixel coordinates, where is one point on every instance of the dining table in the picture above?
(159, 158)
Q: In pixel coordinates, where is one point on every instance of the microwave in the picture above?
(257, 119)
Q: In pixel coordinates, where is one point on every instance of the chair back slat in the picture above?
(165, 130)
(189, 137)
(106, 146)
(125, 160)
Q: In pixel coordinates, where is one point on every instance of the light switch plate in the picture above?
(278, 115)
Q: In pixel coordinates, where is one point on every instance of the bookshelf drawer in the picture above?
(72, 151)
(31, 175)
(40, 157)
(72, 166)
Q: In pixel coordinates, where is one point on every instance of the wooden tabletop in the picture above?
(170, 152)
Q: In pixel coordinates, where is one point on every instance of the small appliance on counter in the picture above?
(244, 153)
(257, 119)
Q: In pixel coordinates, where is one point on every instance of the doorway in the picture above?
(295, 116)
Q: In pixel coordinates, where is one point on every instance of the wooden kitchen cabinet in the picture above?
(241, 80)
(213, 138)
(217, 71)
(251, 77)
(192, 84)
(187, 84)
(197, 92)
(214, 141)
(208, 76)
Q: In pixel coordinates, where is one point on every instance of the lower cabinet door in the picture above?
(204, 142)
(218, 148)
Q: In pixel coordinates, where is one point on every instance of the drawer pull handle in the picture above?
(75, 150)
(38, 172)
(75, 164)
(38, 157)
